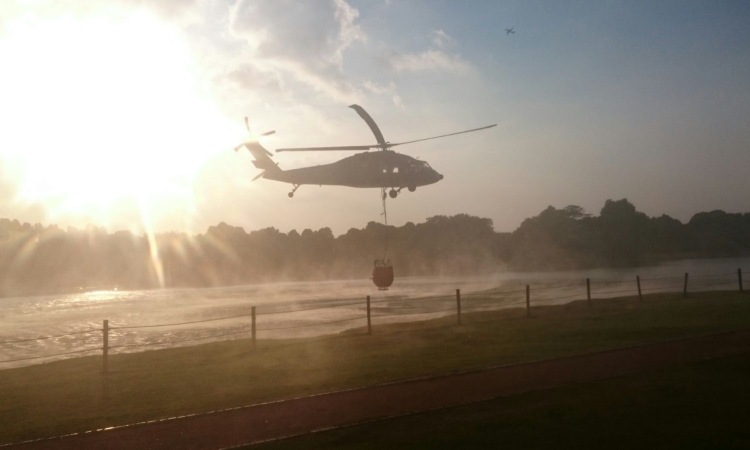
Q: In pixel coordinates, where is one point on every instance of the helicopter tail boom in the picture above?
(261, 159)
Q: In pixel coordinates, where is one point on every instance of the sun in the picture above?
(96, 109)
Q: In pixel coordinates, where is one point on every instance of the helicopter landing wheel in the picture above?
(412, 188)
(291, 194)
(393, 193)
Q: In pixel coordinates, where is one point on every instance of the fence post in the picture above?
(369, 323)
(588, 290)
(638, 280)
(528, 301)
(684, 290)
(105, 346)
(739, 277)
(458, 306)
(252, 324)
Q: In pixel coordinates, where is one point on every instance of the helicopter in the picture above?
(382, 169)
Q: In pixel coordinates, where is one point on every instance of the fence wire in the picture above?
(491, 293)
(44, 338)
(233, 317)
(432, 297)
(311, 324)
(360, 303)
(712, 275)
(675, 288)
(130, 327)
(664, 278)
(414, 313)
(51, 356)
(545, 288)
(632, 290)
(720, 283)
(578, 294)
(494, 306)
(177, 341)
(622, 281)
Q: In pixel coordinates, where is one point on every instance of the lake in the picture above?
(342, 303)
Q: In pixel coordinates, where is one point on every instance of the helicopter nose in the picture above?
(441, 176)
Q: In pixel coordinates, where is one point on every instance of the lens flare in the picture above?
(100, 110)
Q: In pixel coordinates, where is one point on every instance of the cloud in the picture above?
(253, 78)
(434, 59)
(441, 39)
(304, 41)
(349, 32)
(376, 88)
(428, 60)
(167, 8)
(397, 101)
(379, 89)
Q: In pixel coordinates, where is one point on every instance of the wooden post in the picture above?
(105, 346)
(684, 290)
(588, 290)
(528, 301)
(252, 324)
(369, 323)
(739, 277)
(458, 306)
(638, 280)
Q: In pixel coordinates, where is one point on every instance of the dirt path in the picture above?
(285, 418)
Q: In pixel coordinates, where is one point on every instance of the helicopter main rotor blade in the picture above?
(441, 136)
(268, 133)
(325, 149)
(371, 123)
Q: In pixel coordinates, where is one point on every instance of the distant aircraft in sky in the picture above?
(509, 31)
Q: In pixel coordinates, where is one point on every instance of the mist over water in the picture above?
(29, 317)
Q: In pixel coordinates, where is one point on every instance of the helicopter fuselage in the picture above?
(383, 168)
(376, 169)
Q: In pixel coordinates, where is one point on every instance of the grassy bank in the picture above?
(72, 395)
(694, 405)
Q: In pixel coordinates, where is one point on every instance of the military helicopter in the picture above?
(382, 169)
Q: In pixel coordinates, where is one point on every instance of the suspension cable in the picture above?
(385, 220)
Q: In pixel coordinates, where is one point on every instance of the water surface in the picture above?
(415, 298)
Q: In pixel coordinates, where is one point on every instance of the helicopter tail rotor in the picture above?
(260, 154)
(253, 139)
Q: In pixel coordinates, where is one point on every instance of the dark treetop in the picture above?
(38, 259)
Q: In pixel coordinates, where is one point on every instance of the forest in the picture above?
(35, 259)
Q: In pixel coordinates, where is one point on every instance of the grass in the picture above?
(72, 395)
(693, 405)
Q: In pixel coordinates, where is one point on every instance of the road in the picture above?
(257, 423)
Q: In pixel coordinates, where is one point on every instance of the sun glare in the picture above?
(102, 108)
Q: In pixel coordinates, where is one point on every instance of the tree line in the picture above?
(37, 259)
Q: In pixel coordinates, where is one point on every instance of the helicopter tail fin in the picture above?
(261, 159)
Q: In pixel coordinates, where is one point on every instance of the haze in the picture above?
(124, 114)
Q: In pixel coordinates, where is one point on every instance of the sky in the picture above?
(124, 114)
